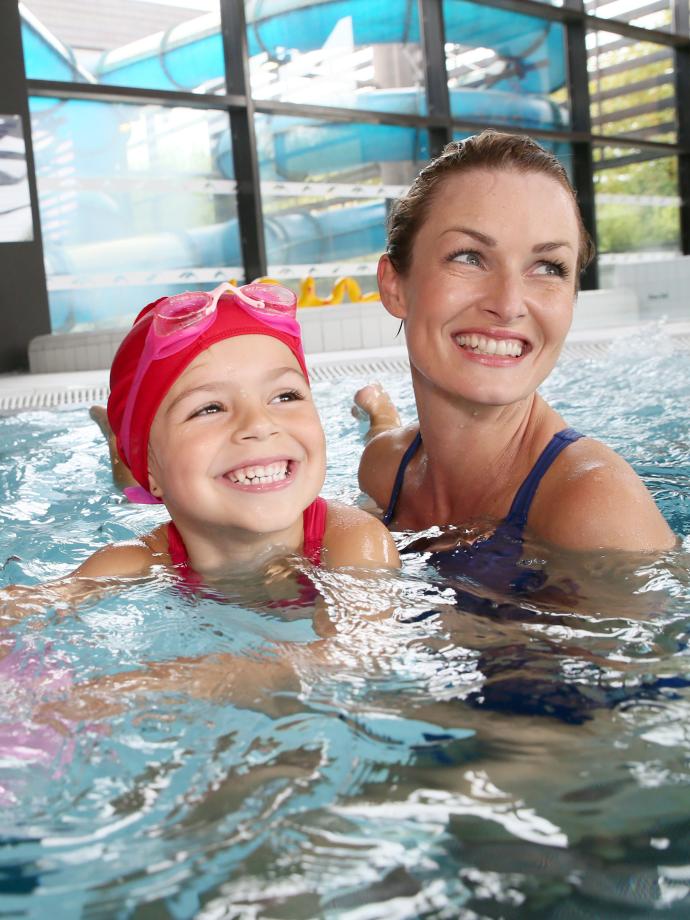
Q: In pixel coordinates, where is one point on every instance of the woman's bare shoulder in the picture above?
(591, 498)
(355, 538)
(380, 461)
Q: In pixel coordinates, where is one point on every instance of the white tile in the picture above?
(332, 335)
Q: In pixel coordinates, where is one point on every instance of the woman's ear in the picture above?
(390, 288)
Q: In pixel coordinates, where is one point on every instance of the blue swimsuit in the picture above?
(493, 561)
(521, 676)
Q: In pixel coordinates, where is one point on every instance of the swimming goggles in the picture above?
(180, 320)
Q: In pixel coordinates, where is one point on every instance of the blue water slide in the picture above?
(290, 148)
(305, 236)
(191, 54)
(45, 56)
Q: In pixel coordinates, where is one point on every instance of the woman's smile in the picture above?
(500, 349)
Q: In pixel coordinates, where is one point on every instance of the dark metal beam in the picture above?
(24, 310)
(433, 42)
(574, 13)
(244, 155)
(582, 167)
(681, 11)
(132, 94)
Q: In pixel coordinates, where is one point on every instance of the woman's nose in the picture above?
(505, 301)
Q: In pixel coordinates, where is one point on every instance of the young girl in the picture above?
(213, 415)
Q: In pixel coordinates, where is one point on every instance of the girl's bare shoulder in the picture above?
(129, 558)
(355, 538)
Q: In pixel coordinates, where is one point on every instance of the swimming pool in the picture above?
(506, 759)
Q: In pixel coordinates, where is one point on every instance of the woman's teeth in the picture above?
(259, 475)
(483, 345)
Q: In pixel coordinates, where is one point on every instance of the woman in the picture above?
(482, 266)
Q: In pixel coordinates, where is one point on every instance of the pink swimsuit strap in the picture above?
(313, 522)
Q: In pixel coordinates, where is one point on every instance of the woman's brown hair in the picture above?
(488, 150)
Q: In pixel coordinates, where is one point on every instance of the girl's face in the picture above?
(237, 442)
(488, 298)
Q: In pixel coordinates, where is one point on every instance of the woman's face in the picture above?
(488, 297)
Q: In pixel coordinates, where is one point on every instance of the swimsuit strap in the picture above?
(519, 510)
(176, 547)
(399, 476)
(314, 523)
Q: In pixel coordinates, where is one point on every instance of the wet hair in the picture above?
(490, 150)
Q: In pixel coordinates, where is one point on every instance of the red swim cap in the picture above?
(230, 320)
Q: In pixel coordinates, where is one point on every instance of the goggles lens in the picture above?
(181, 311)
(270, 297)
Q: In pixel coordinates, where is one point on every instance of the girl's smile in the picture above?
(262, 475)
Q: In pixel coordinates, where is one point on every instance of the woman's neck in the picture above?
(475, 457)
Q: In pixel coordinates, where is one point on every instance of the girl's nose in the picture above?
(254, 422)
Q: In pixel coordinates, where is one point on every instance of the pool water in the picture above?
(469, 755)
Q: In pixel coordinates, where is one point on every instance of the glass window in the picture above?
(361, 54)
(505, 68)
(135, 202)
(642, 13)
(151, 44)
(637, 202)
(326, 188)
(631, 88)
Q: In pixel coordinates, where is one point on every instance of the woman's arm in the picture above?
(591, 499)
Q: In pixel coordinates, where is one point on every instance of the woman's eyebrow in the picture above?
(547, 247)
(475, 234)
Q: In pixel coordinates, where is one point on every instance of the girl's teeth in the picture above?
(483, 345)
(259, 475)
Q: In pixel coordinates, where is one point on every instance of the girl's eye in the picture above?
(288, 396)
(208, 409)
(555, 268)
(466, 257)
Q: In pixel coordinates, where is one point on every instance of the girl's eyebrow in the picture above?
(213, 386)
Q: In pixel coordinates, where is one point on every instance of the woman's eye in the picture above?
(557, 269)
(288, 396)
(466, 257)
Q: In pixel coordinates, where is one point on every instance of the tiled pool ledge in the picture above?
(324, 329)
(21, 392)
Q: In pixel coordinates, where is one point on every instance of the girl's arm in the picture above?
(260, 682)
(355, 538)
(101, 574)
